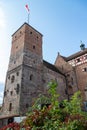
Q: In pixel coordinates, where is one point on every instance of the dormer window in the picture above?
(78, 60)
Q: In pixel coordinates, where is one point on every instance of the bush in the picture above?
(52, 115)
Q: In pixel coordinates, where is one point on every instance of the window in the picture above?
(85, 89)
(5, 93)
(17, 89)
(31, 77)
(10, 107)
(84, 69)
(11, 93)
(12, 79)
(33, 47)
(20, 32)
(17, 73)
(78, 60)
(9, 77)
(30, 32)
(14, 62)
(27, 105)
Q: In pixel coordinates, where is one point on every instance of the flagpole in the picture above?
(28, 18)
(28, 12)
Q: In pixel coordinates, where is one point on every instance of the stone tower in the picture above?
(23, 80)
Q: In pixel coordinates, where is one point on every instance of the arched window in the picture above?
(12, 79)
(17, 73)
(11, 92)
(31, 77)
(10, 107)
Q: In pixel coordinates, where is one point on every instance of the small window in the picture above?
(27, 105)
(11, 93)
(10, 107)
(5, 93)
(84, 69)
(17, 89)
(78, 60)
(9, 77)
(31, 77)
(85, 89)
(33, 47)
(12, 79)
(14, 62)
(30, 32)
(17, 73)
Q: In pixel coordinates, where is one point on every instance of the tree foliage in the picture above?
(49, 114)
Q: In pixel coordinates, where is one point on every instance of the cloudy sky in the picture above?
(63, 24)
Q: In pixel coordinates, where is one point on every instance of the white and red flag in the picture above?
(27, 7)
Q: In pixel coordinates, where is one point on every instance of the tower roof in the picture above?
(29, 26)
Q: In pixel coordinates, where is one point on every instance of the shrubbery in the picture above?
(52, 115)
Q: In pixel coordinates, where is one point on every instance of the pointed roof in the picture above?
(29, 26)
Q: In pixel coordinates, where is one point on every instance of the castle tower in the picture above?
(23, 80)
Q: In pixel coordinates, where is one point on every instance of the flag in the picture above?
(27, 7)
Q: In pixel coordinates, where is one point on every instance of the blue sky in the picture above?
(63, 24)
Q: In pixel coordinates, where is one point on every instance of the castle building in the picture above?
(28, 74)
